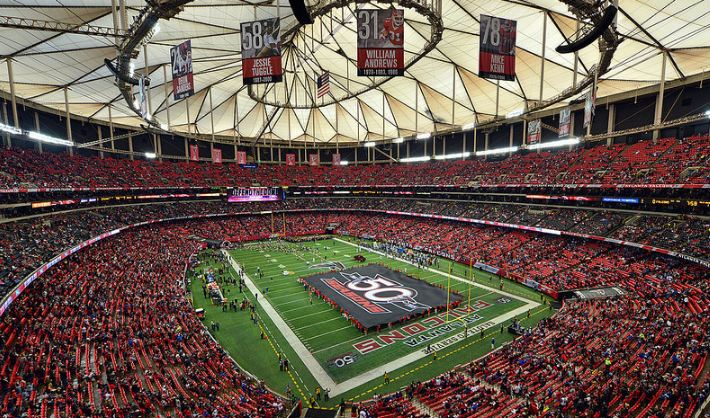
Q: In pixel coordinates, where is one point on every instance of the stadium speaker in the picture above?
(301, 12)
(592, 35)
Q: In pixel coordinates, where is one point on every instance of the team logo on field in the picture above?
(375, 295)
(332, 265)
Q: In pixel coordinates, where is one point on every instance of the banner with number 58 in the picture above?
(261, 51)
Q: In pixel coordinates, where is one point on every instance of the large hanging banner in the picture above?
(216, 155)
(336, 159)
(380, 42)
(534, 131)
(565, 122)
(181, 64)
(313, 159)
(496, 55)
(290, 159)
(142, 98)
(261, 51)
(589, 99)
(241, 157)
(194, 153)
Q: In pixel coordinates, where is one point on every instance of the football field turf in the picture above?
(351, 359)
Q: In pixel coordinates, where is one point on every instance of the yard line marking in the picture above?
(329, 332)
(319, 323)
(311, 314)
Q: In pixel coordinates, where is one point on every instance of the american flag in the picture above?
(323, 83)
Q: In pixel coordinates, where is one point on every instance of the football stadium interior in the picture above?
(354, 208)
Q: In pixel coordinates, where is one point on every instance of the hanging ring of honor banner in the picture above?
(380, 42)
(496, 59)
(181, 67)
(261, 51)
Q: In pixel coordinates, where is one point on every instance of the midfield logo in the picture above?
(332, 265)
(375, 294)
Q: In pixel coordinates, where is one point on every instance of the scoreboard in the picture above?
(255, 194)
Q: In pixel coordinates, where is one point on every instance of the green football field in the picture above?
(330, 351)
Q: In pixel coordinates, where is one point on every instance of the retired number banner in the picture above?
(589, 99)
(313, 159)
(290, 159)
(380, 42)
(565, 122)
(496, 56)
(261, 51)
(534, 131)
(216, 155)
(336, 159)
(194, 153)
(181, 64)
(241, 157)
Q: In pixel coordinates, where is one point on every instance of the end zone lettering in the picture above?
(414, 334)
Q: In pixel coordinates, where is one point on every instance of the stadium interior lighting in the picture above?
(424, 135)
(496, 151)
(468, 126)
(398, 140)
(344, 162)
(707, 113)
(415, 159)
(10, 129)
(150, 155)
(49, 139)
(164, 126)
(131, 68)
(452, 156)
(554, 144)
(369, 144)
(514, 114)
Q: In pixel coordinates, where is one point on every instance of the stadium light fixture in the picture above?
(150, 155)
(707, 113)
(49, 139)
(496, 151)
(10, 129)
(369, 144)
(164, 126)
(131, 68)
(468, 126)
(452, 156)
(424, 135)
(554, 144)
(514, 114)
(398, 140)
(344, 162)
(415, 159)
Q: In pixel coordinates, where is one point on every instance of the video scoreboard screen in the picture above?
(255, 194)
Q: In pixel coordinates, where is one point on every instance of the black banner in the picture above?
(380, 42)
(261, 51)
(496, 58)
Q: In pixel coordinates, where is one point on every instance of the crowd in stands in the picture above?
(25, 245)
(109, 332)
(668, 161)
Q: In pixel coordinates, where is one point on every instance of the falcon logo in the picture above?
(332, 265)
(375, 294)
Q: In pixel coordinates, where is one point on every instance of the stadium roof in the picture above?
(441, 91)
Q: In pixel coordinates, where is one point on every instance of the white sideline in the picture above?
(315, 368)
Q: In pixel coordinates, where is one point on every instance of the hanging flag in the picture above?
(336, 159)
(323, 83)
(181, 64)
(216, 155)
(261, 51)
(534, 131)
(142, 98)
(589, 104)
(241, 157)
(313, 159)
(290, 159)
(194, 152)
(496, 54)
(380, 42)
(565, 122)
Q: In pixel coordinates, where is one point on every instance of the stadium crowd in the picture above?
(669, 161)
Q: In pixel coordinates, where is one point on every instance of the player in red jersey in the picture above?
(393, 28)
(507, 34)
